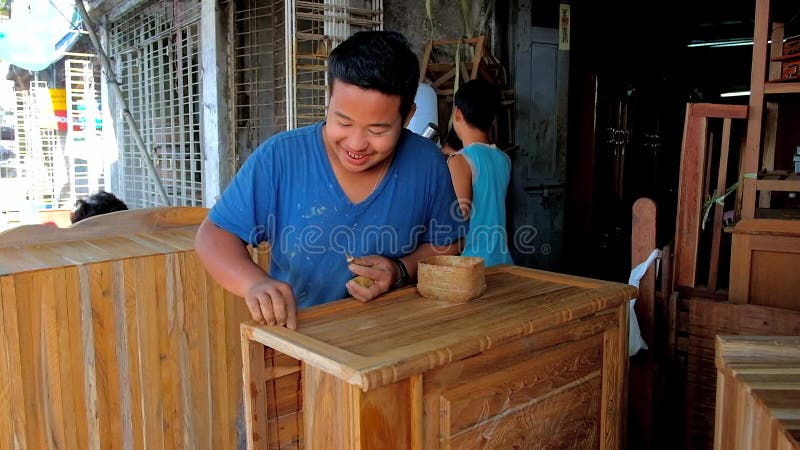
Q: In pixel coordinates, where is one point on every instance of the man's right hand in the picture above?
(272, 302)
(226, 258)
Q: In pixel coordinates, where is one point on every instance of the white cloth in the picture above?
(635, 341)
(427, 109)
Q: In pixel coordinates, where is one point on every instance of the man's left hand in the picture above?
(380, 269)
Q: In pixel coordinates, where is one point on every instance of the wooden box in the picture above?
(758, 395)
(765, 257)
(539, 361)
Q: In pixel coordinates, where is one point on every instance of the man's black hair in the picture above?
(99, 203)
(478, 101)
(379, 60)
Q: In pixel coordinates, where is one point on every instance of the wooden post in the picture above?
(643, 241)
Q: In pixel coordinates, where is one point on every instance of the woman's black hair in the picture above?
(380, 60)
(99, 203)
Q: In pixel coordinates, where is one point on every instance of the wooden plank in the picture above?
(755, 116)
(770, 136)
(133, 356)
(29, 326)
(776, 51)
(687, 232)
(255, 403)
(52, 353)
(331, 412)
(711, 110)
(564, 419)
(615, 366)
(417, 421)
(225, 437)
(641, 382)
(169, 325)
(199, 368)
(384, 417)
(792, 87)
(423, 62)
(496, 393)
(722, 173)
(15, 386)
(105, 370)
(7, 435)
(148, 313)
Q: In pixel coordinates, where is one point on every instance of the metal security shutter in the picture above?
(156, 48)
(280, 50)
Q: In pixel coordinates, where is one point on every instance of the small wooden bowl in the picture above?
(453, 278)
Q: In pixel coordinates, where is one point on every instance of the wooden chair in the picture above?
(695, 184)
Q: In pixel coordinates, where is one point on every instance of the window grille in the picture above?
(157, 51)
(273, 91)
(84, 145)
(45, 164)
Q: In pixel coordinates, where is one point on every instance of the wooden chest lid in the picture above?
(402, 333)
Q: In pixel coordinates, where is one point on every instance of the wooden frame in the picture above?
(692, 181)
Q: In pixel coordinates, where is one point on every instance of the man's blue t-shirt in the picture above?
(287, 194)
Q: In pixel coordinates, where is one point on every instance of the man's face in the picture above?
(362, 127)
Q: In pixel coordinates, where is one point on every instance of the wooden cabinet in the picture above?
(764, 259)
(539, 361)
(758, 399)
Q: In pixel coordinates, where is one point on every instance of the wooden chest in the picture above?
(539, 361)
(758, 393)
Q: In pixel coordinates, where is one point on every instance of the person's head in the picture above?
(377, 60)
(476, 103)
(99, 203)
(373, 80)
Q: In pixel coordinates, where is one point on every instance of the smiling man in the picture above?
(359, 182)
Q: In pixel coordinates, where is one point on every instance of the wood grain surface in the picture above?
(758, 393)
(112, 336)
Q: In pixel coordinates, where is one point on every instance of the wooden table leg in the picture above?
(255, 404)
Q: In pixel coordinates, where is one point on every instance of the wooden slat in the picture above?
(687, 229)
(755, 116)
(106, 371)
(134, 358)
(710, 110)
(199, 367)
(29, 345)
(722, 174)
(147, 300)
(255, 402)
(615, 366)
(641, 382)
(14, 420)
(50, 353)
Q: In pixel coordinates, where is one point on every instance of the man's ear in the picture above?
(410, 115)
